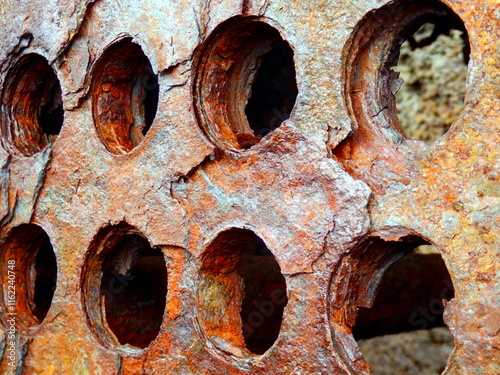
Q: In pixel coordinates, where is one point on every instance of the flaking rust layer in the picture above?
(312, 188)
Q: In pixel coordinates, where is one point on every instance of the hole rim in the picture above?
(103, 250)
(223, 121)
(368, 92)
(22, 101)
(125, 129)
(22, 244)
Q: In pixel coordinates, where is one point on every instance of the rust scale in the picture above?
(139, 154)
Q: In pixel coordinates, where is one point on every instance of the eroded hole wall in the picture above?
(32, 114)
(125, 96)
(245, 84)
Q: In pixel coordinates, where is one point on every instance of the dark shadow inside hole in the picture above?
(409, 297)
(51, 115)
(405, 323)
(151, 97)
(274, 89)
(45, 279)
(134, 286)
(264, 296)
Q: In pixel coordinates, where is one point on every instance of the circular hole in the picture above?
(125, 287)
(32, 113)
(241, 294)
(30, 277)
(125, 94)
(245, 84)
(406, 70)
(399, 292)
(433, 70)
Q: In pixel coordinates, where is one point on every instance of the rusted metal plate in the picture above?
(336, 192)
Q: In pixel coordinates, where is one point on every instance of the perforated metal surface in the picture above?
(336, 192)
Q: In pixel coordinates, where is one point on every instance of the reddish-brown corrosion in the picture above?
(227, 67)
(336, 192)
(241, 294)
(31, 284)
(119, 91)
(30, 88)
(378, 145)
(125, 287)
